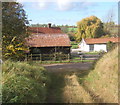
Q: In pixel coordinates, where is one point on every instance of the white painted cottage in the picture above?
(95, 44)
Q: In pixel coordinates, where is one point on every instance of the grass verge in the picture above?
(64, 61)
(102, 81)
(24, 83)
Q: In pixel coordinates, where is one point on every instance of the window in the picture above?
(91, 47)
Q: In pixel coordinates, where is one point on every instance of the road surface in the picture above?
(71, 67)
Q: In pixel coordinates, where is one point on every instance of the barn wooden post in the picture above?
(26, 57)
(40, 57)
(31, 56)
(68, 57)
(81, 58)
(55, 53)
(36, 57)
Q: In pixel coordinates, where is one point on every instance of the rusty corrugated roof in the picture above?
(101, 40)
(45, 30)
(48, 40)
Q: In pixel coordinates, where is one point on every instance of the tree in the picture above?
(109, 24)
(110, 45)
(64, 29)
(14, 30)
(90, 27)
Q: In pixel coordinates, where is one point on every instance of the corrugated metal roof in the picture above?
(48, 40)
(45, 30)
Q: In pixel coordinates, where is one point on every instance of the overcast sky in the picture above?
(68, 12)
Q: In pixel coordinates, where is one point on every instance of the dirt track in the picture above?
(71, 67)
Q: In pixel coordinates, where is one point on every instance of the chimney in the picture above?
(49, 25)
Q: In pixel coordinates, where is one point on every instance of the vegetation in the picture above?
(55, 88)
(110, 45)
(24, 83)
(13, 30)
(90, 27)
(102, 81)
(74, 45)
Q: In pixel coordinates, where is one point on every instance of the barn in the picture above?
(96, 44)
(48, 40)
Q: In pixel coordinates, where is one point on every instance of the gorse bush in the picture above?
(24, 83)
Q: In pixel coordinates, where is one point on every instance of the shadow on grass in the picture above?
(55, 88)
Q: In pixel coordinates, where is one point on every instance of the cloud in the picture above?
(65, 5)
(62, 5)
(40, 5)
(64, 0)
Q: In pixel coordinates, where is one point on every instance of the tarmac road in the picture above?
(70, 67)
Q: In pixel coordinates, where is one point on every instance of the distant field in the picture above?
(74, 45)
(72, 29)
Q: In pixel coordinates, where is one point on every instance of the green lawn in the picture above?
(74, 45)
(92, 53)
(75, 60)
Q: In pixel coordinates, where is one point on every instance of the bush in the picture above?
(24, 83)
(110, 45)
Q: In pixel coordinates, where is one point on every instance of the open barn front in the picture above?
(49, 53)
(48, 43)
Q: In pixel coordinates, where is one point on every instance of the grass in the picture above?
(74, 45)
(72, 29)
(92, 53)
(55, 88)
(75, 60)
(102, 81)
(65, 88)
(73, 92)
(24, 83)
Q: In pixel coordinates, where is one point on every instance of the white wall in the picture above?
(98, 47)
(83, 46)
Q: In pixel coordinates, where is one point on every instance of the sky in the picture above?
(62, 12)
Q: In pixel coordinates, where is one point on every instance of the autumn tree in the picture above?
(90, 27)
(13, 30)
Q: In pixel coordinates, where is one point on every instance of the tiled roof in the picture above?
(48, 40)
(101, 40)
(45, 30)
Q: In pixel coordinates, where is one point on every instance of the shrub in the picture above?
(23, 83)
(110, 45)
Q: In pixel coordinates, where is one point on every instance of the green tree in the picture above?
(111, 29)
(110, 45)
(14, 30)
(64, 29)
(90, 27)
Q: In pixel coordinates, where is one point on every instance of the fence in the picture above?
(52, 57)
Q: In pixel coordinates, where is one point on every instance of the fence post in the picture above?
(81, 58)
(68, 57)
(40, 57)
(55, 56)
(25, 58)
(31, 56)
